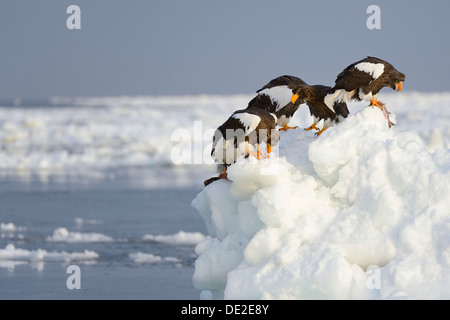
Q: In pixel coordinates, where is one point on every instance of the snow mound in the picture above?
(361, 212)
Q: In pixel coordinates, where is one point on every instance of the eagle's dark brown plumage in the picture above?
(314, 97)
(239, 133)
(363, 80)
(275, 97)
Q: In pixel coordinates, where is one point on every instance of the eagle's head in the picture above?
(301, 93)
(396, 79)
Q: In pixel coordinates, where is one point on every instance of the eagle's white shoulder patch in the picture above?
(281, 95)
(248, 120)
(374, 69)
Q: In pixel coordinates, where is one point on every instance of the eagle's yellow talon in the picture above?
(256, 155)
(376, 103)
(313, 126)
(320, 132)
(286, 127)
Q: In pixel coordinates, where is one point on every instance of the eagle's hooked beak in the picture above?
(294, 98)
(398, 86)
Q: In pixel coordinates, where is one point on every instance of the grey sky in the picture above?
(138, 47)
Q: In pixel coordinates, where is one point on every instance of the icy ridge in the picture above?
(360, 212)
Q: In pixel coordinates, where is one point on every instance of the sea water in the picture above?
(114, 220)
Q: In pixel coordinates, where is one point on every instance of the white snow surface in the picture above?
(361, 212)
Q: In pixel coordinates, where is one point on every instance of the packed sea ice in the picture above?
(93, 135)
(361, 212)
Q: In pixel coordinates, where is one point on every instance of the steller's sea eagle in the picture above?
(275, 97)
(363, 80)
(314, 97)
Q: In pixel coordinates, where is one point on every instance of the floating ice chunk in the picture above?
(10, 227)
(16, 254)
(179, 238)
(63, 235)
(140, 257)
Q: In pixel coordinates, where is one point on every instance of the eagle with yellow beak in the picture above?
(362, 80)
